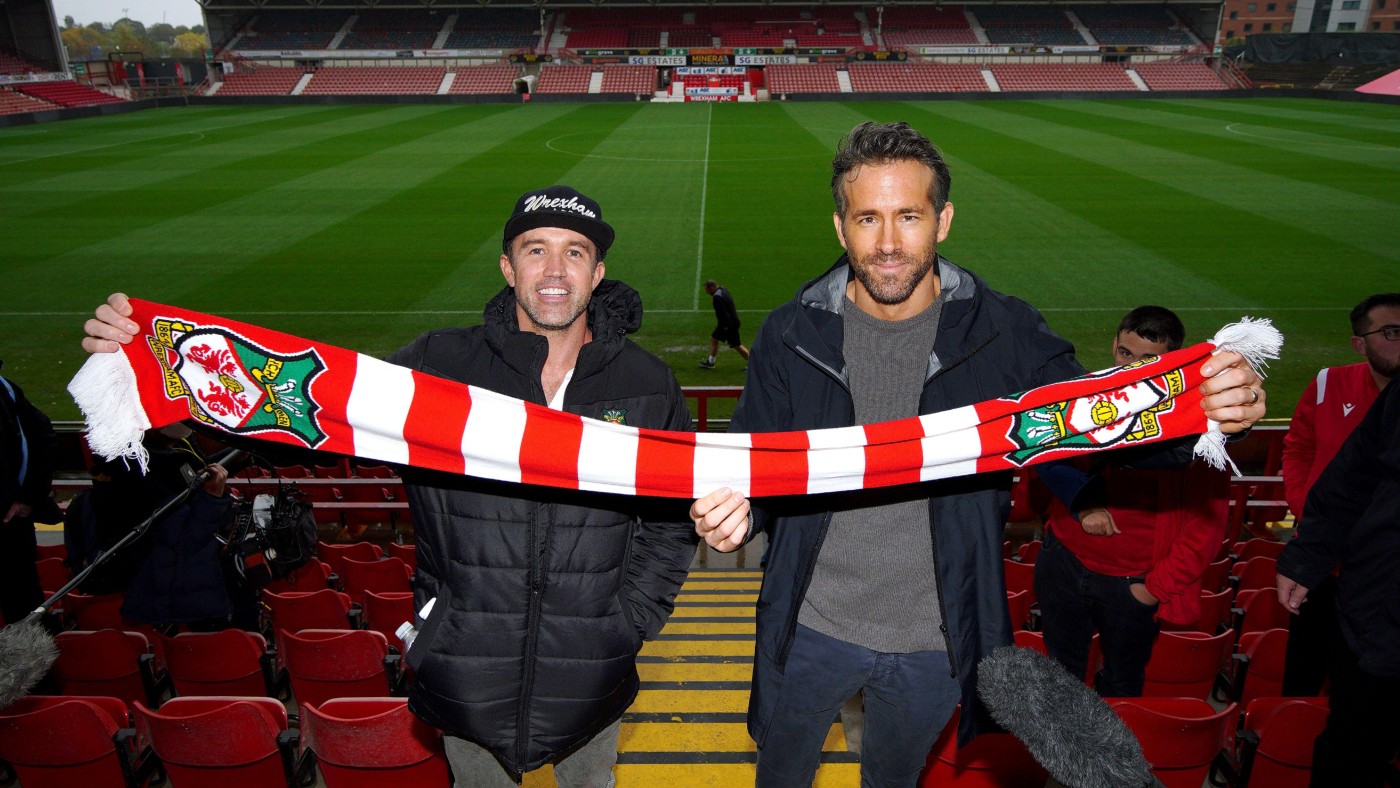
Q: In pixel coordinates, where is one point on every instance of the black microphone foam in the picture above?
(1064, 724)
(27, 651)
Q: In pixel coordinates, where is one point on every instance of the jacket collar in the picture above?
(828, 291)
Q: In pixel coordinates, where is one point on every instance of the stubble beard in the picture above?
(897, 288)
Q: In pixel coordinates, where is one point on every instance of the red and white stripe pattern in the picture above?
(375, 410)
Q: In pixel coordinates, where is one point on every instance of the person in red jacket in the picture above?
(1129, 548)
(1330, 408)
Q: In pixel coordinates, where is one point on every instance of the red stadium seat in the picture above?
(1216, 574)
(1028, 552)
(325, 663)
(60, 742)
(384, 575)
(1250, 548)
(384, 613)
(220, 742)
(1276, 741)
(1019, 604)
(50, 551)
(1259, 665)
(1258, 609)
(1181, 737)
(1020, 577)
(335, 554)
(405, 552)
(1036, 640)
(1186, 664)
(314, 575)
(992, 760)
(107, 662)
(291, 613)
(1258, 572)
(1215, 614)
(373, 743)
(53, 574)
(231, 662)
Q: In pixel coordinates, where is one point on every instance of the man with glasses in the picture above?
(1331, 407)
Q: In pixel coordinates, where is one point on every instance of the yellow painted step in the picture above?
(683, 628)
(690, 599)
(695, 671)
(690, 648)
(701, 775)
(691, 702)
(721, 585)
(689, 737)
(712, 612)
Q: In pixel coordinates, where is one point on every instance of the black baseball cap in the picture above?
(559, 206)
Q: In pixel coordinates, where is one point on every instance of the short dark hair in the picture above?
(1155, 324)
(883, 143)
(1361, 313)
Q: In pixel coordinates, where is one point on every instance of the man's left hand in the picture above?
(18, 509)
(1234, 392)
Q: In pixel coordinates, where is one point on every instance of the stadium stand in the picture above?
(644, 37)
(1061, 76)
(597, 38)
(485, 79)
(393, 30)
(1179, 76)
(906, 26)
(691, 37)
(819, 78)
(363, 80)
(494, 28)
(265, 81)
(67, 93)
(640, 80)
(1027, 24)
(564, 79)
(12, 64)
(292, 29)
(1140, 25)
(916, 77)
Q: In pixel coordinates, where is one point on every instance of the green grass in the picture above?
(365, 225)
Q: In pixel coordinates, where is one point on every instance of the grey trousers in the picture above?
(590, 766)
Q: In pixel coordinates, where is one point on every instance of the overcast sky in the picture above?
(147, 12)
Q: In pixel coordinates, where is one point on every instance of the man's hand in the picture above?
(218, 479)
(722, 519)
(1141, 594)
(1290, 594)
(1234, 393)
(1098, 522)
(18, 509)
(109, 327)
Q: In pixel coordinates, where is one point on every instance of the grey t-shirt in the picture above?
(874, 583)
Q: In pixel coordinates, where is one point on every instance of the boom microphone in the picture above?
(1064, 724)
(27, 651)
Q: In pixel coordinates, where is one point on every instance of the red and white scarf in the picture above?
(272, 386)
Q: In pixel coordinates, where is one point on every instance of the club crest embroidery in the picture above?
(232, 383)
(1128, 415)
(615, 415)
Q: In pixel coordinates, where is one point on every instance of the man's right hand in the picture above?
(722, 519)
(1098, 522)
(110, 327)
(1290, 594)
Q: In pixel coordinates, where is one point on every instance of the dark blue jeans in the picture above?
(908, 700)
(1075, 602)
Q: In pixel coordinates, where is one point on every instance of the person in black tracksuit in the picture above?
(1352, 518)
(726, 324)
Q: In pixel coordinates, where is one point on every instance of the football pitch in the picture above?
(365, 225)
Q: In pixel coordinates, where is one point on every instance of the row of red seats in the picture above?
(59, 742)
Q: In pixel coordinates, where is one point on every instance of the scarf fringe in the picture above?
(1259, 342)
(106, 392)
(1255, 338)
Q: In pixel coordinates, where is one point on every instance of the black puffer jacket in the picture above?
(544, 596)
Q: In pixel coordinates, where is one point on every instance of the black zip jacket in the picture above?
(988, 345)
(1352, 517)
(544, 596)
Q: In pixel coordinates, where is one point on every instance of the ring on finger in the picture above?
(1255, 392)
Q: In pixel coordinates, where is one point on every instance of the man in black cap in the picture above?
(533, 602)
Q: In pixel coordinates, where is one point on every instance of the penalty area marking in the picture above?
(1233, 129)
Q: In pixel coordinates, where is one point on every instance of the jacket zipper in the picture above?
(938, 587)
(788, 637)
(532, 633)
